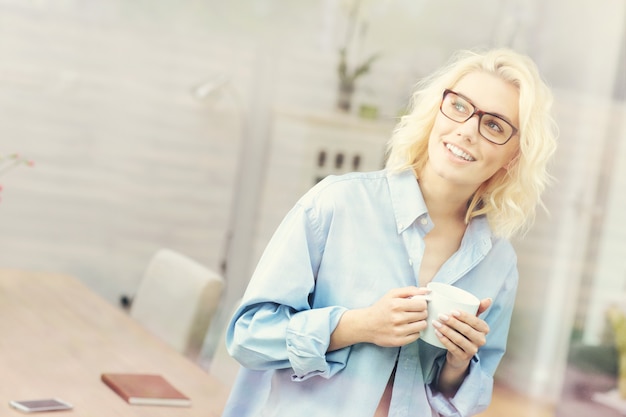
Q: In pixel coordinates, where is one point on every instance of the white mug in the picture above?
(443, 299)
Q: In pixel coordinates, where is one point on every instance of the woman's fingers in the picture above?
(463, 334)
(398, 317)
(484, 305)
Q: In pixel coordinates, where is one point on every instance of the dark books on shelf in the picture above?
(145, 389)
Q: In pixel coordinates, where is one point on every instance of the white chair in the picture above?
(223, 366)
(176, 300)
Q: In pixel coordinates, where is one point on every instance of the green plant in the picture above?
(617, 318)
(350, 68)
(349, 76)
(10, 162)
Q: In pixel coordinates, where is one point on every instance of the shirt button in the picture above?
(424, 220)
(400, 225)
(410, 261)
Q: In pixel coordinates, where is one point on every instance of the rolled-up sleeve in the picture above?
(474, 394)
(308, 337)
(275, 326)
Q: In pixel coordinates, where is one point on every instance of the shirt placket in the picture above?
(413, 238)
(408, 394)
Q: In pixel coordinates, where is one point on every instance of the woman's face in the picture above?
(457, 152)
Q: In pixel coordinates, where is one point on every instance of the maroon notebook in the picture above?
(145, 389)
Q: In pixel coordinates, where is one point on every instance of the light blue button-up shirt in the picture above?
(345, 244)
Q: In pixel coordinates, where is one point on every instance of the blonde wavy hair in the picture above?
(509, 198)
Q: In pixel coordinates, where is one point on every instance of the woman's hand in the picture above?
(394, 320)
(462, 334)
(398, 317)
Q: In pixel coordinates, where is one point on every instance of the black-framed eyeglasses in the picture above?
(490, 126)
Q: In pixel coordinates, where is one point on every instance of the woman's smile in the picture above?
(459, 152)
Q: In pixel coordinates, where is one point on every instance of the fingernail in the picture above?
(436, 323)
(455, 313)
(444, 317)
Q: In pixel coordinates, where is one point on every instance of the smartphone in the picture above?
(45, 404)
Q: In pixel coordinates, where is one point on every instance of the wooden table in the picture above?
(57, 337)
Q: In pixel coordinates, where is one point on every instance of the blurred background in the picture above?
(196, 124)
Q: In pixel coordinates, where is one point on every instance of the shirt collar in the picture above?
(408, 205)
(406, 198)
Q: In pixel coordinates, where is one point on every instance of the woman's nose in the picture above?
(469, 128)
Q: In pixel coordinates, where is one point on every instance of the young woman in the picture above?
(329, 325)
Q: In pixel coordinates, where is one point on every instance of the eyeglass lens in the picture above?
(491, 127)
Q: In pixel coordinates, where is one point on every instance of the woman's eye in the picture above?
(460, 107)
(493, 125)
